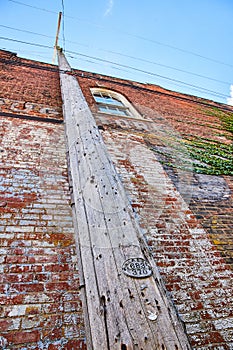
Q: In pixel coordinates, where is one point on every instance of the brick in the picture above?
(5, 324)
(75, 345)
(59, 286)
(56, 267)
(23, 337)
(27, 287)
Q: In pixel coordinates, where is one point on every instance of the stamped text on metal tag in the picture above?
(137, 267)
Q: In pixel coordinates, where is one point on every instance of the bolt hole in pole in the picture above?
(123, 347)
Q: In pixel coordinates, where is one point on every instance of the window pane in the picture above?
(107, 100)
(113, 110)
(118, 112)
(103, 109)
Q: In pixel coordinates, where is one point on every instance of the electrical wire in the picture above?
(125, 70)
(26, 31)
(131, 35)
(124, 83)
(98, 63)
(25, 42)
(198, 88)
(165, 66)
(53, 12)
(40, 34)
(34, 7)
(148, 73)
(120, 54)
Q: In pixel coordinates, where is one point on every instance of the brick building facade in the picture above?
(173, 154)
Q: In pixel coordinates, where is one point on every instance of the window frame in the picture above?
(121, 105)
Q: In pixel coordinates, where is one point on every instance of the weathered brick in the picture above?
(29, 256)
(23, 337)
(187, 258)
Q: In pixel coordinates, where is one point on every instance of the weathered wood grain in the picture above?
(122, 312)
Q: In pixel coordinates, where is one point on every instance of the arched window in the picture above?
(113, 103)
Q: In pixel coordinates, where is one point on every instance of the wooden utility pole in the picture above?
(126, 305)
(56, 39)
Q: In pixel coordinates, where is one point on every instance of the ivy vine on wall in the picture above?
(201, 155)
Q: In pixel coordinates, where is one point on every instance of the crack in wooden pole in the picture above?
(122, 310)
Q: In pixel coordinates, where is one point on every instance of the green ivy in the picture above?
(202, 155)
(199, 155)
(213, 158)
(225, 117)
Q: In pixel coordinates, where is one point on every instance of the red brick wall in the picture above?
(29, 87)
(197, 277)
(40, 305)
(40, 302)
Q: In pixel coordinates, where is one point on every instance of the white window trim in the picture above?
(127, 106)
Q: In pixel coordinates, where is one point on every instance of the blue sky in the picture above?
(181, 45)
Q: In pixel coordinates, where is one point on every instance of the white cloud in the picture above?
(230, 99)
(109, 8)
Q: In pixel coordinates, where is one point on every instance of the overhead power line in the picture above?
(142, 87)
(198, 88)
(26, 31)
(148, 73)
(25, 42)
(180, 49)
(40, 34)
(165, 66)
(131, 35)
(119, 54)
(34, 7)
